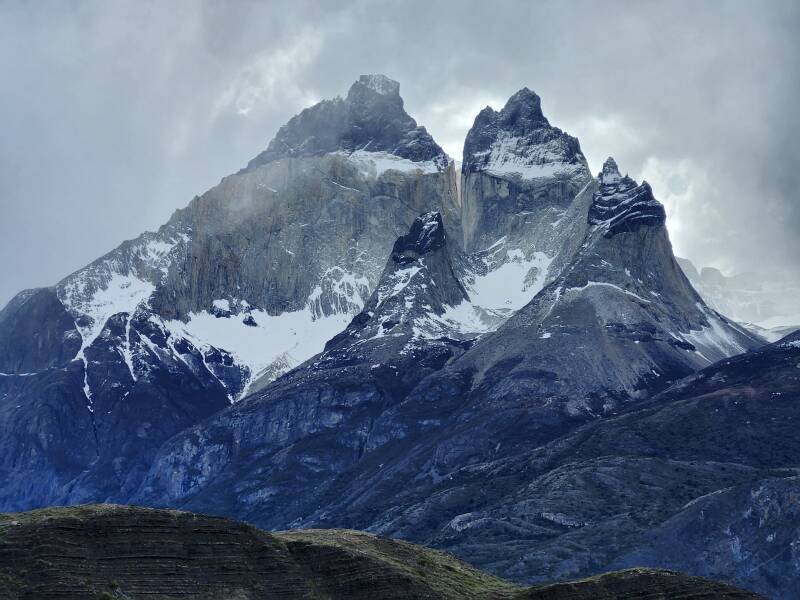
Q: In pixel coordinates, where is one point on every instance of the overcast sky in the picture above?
(114, 114)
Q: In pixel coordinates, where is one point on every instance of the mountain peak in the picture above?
(426, 234)
(524, 106)
(610, 173)
(370, 118)
(378, 83)
(518, 141)
(623, 205)
(417, 287)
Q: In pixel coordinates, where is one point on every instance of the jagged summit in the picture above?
(610, 173)
(622, 205)
(519, 140)
(524, 109)
(417, 287)
(371, 118)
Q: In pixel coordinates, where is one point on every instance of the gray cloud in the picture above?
(115, 114)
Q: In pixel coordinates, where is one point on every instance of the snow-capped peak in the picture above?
(519, 141)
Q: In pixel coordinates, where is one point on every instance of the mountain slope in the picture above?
(249, 280)
(700, 478)
(272, 453)
(108, 551)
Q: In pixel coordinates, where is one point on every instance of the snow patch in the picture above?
(292, 336)
(510, 155)
(605, 284)
(375, 164)
(715, 339)
(223, 305)
(509, 285)
(122, 293)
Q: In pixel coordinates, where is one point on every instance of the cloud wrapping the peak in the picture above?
(115, 114)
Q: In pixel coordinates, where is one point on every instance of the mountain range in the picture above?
(507, 362)
(765, 303)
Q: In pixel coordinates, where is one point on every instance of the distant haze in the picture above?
(114, 114)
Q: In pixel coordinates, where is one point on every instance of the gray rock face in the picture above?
(36, 333)
(270, 236)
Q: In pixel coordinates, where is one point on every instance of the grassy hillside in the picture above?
(104, 552)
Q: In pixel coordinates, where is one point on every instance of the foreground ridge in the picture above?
(113, 551)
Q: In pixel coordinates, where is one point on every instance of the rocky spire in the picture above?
(418, 284)
(622, 205)
(380, 84)
(426, 234)
(610, 173)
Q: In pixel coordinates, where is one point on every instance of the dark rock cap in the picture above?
(623, 205)
(520, 118)
(426, 234)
